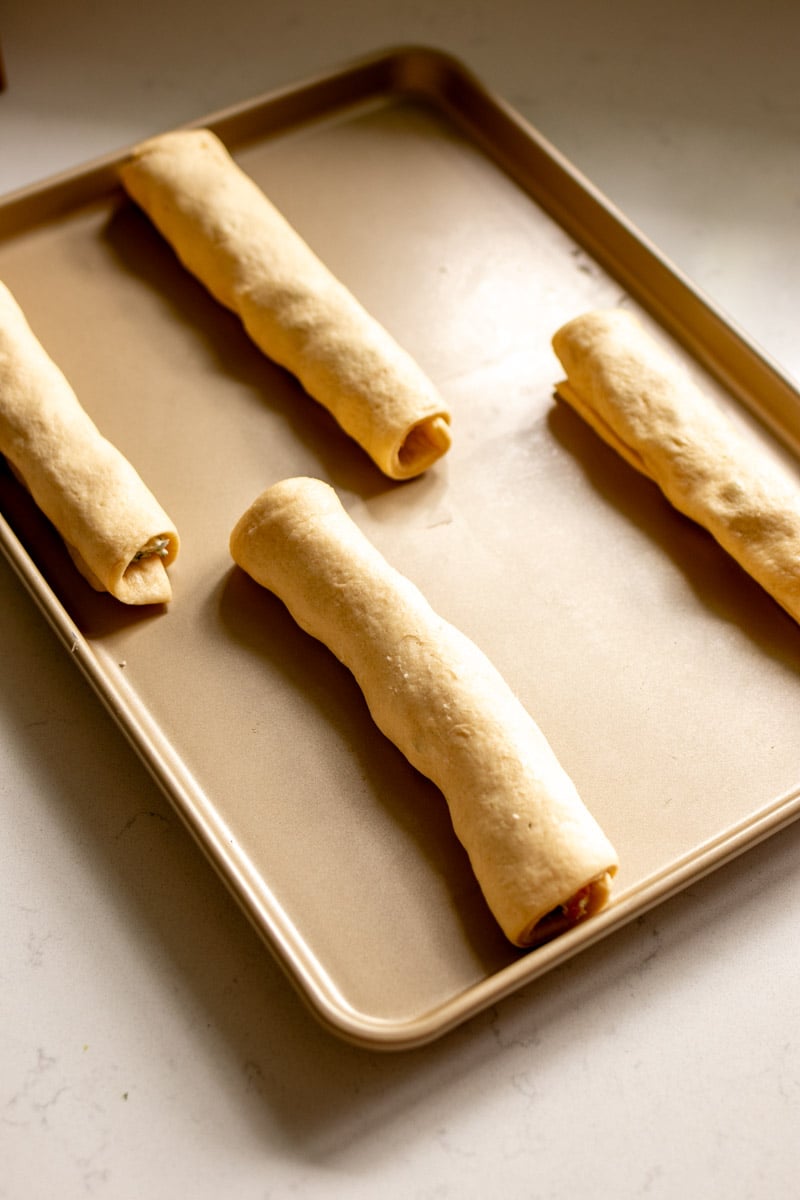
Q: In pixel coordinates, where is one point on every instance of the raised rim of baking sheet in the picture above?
(489, 125)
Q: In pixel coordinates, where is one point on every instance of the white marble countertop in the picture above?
(149, 1046)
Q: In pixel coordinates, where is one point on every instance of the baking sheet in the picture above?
(666, 680)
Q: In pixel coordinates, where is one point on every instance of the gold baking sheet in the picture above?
(666, 680)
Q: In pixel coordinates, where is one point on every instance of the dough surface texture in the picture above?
(541, 859)
(643, 403)
(117, 533)
(233, 239)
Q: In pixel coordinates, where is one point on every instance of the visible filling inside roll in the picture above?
(590, 899)
(157, 547)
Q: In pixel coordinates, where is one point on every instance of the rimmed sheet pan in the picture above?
(667, 682)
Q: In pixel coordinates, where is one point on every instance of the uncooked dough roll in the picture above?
(228, 234)
(540, 858)
(117, 534)
(642, 402)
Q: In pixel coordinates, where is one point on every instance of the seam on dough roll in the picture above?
(541, 859)
(117, 533)
(232, 238)
(643, 403)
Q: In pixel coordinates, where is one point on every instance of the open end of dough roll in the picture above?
(639, 398)
(233, 239)
(117, 533)
(541, 859)
(420, 447)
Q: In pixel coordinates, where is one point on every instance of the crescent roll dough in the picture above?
(540, 858)
(229, 235)
(118, 535)
(642, 402)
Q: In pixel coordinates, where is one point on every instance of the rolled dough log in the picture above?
(643, 403)
(231, 237)
(117, 534)
(540, 858)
